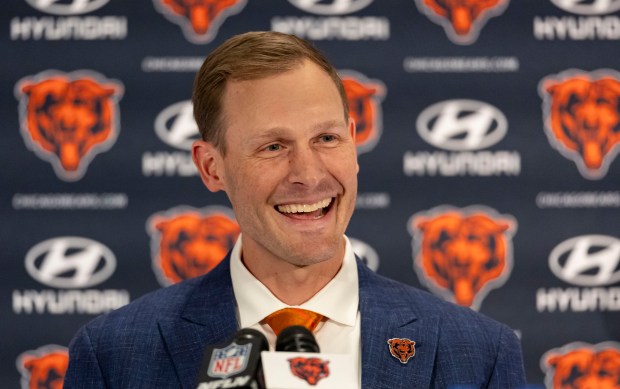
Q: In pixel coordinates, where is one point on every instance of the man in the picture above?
(277, 138)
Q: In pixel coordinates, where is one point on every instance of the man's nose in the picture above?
(306, 166)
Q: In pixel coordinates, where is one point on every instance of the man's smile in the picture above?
(307, 211)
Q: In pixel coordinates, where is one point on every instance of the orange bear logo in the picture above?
(463, 253)
(44, 368)
(582, 119)
(190, 243)
(200, 19)
(69, 118)
(580, 365)
(312, 370)
(462, 19)
(402, 349)
(364, 99)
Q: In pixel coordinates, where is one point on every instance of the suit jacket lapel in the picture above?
(387, 314)
(208, 317)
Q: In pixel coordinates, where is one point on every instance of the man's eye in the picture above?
(273, 147)
(328, 138)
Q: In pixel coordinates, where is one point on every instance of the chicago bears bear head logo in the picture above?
(402, 349)
(67, 119)
(186, 243)
(44, 368)
(462, 253)
(364, 98)
(312, 370)
(580, 365)
(200, 19)
(462, 19)
(582, 118)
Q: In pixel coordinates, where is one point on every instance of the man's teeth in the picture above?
(299, 208)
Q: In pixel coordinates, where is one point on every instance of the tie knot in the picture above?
(287, 317)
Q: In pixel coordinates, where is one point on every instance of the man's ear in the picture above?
(351, 125)
(353, 134)
(208, 161)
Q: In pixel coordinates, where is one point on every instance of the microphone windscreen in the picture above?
(297, 339)
(245, 335)
(236, 364)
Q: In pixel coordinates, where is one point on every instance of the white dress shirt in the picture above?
(338, 301)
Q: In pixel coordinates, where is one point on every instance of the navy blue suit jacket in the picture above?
(158, 340)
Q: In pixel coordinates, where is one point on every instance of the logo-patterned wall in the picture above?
(488, 136)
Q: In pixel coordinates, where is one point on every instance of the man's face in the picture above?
(290, 170)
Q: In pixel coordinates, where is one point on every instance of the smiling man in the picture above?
(278, 140)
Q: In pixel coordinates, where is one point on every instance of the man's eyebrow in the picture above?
(330, 124)
(270, 133)
(282, 132)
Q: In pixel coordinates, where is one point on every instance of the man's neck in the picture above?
(291, 284)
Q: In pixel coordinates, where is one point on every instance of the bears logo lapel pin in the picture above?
(402, 349)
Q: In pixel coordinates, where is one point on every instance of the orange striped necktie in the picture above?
(287, 317)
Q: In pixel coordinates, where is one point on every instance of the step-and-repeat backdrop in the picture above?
(488, 132)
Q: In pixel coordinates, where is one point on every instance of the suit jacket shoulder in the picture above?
(157, 340)
(453, 345)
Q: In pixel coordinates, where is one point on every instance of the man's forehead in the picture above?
(270, 92)
(319, 73)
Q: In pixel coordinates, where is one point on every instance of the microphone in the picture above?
(236, 364)
(297, 339)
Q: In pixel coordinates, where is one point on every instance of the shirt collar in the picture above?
(338, 300)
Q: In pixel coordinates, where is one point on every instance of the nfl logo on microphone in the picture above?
(229, 360)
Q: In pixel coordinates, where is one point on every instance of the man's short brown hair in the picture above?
(249, 56)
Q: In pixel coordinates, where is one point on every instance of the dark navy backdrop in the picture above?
(459, 125)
